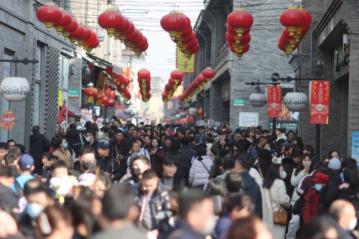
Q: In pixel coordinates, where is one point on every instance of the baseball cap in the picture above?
(103, 144)
(26, 161)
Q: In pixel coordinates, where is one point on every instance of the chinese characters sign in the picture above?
(274, 101)
(319, 102)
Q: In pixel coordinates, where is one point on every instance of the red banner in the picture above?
(274, 101)
(319, 102)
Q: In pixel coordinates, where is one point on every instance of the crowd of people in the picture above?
(178, 182)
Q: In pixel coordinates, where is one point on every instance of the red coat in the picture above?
(311, 206)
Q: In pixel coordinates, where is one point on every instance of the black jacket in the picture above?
(184, 231)
(38, 145)
(250, 188)
(186, 155)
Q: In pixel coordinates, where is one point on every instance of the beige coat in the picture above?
(275, 198)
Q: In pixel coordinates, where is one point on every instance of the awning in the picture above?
(103, 64)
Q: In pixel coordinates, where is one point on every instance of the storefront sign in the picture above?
(319, 102)
(355, 146)
(74, 93)
(248, 119)
(8, 120)
(274, 101)
(239, 102)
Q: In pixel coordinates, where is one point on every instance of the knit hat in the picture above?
(334, 164)
(320, 178)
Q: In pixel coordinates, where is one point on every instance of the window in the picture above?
(36, 114)
(8, 70)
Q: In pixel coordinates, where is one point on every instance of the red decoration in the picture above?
(144, 81)
(64, 21)
(239, 23)
(110, 19)
(179, 27)
(319, 102)
(209, 73)
(274, 101)
(49, 14)
(297, 23)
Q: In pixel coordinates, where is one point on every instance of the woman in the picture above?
(249, 228)
(61, 150)
(201, 167)
(304, 169)
(235, 207)
(277, 199)
(54, 223)
(216, 189)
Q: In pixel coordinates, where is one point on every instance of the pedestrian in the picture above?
(248, 184)
(196, 216)
(248, 228)
(9, 200)
(61, 150)
(235, 206)
(38, 146)
(344, 214)
(119, 215)
(277, 199)
(200, 167)
(153, 201)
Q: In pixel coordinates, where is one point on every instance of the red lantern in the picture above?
(86, 34)
(240, 20)
(175, 22)
(293, 19)
(92, 41)
(110, 20)
(144, 74)
(70, 28)
(208, 73)
(64, 22)
(177, 74)
(75, 35)
(49, 14)
(130, 28)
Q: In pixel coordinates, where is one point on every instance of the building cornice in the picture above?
(329, 13)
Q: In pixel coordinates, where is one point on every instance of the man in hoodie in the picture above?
(248, 185)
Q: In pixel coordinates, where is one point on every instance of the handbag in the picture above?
(280, 217)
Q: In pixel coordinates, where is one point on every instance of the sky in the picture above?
(146, 16)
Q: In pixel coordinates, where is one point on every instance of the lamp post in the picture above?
(275, 80)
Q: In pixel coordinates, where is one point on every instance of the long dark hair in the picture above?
(201, 150)
(273, 174)
(300, 166)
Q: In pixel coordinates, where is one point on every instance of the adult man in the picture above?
(187, 152)
(87, 166)
(139, 165)
(249, 186)
(197, 218)
(345, 215)
(104, 161)
(8, 198)
(120, 215)
(153, 201)
(38, 146)
(38, 198)
(26, 166)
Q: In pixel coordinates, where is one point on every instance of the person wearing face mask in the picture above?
(139, 165)
(345, 215)
(38, 198)
(153, 201)
(90, 138)
(312, 197)
(303, 170)
(61, 150)
(276, 199)
(197, 218)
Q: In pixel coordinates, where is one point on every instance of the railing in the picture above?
(221, 57)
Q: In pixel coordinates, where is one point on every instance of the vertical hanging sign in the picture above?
(319, 102)
(274, 101)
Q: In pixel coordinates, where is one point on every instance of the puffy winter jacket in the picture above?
(200, 169)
